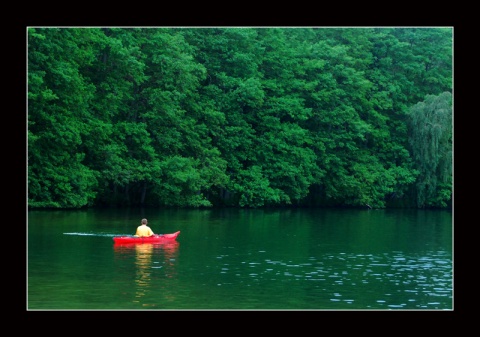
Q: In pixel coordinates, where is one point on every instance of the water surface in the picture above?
(230, 259)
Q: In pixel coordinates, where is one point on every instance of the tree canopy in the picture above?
(241, 117)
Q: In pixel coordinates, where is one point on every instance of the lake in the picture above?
(241, 259)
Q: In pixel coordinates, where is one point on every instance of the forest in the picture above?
(239, 117)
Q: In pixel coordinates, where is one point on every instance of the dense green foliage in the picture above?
(247, 117)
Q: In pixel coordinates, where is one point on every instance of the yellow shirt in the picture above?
(144, 230)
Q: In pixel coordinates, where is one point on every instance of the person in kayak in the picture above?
(143, 229)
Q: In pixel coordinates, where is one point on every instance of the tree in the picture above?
(430, 138)
(59, 118)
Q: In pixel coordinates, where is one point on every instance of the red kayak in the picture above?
(156, 238)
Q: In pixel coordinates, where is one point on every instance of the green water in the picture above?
(323, 259)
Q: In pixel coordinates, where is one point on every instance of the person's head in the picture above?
(144, 221)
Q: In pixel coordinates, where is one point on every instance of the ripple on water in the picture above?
(361, 276)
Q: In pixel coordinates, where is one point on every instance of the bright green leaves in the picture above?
(249, 93)
(259, 116)
(255, 190)
(182, 180)
(58, 118)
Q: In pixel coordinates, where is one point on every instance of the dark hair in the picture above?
(144, 221)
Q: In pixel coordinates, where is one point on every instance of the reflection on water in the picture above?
(153, 262)
(144, 264)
